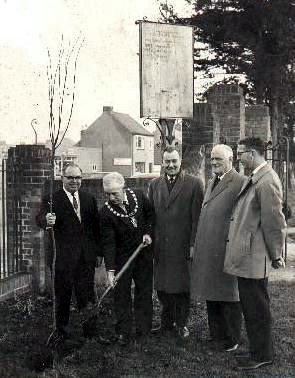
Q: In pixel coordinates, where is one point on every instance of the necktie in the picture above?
(217, 180)
(170, 185)
(75, 203)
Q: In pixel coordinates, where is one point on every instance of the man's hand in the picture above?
(278, 263)
(111, 277)
(50, 219)
(98, 261)
(146, 239)
(191, 253)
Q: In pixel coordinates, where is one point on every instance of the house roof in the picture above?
(122, 119)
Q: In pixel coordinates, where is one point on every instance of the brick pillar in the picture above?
(258, 122)
(28, 166)
(198, 138)
(230, 107)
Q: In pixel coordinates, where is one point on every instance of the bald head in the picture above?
(221, 159)
(223, 149)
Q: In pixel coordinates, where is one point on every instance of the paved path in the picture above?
(287, 274)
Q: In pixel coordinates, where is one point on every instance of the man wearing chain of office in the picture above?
(126, 221)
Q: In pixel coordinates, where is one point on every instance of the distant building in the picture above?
(89, 159)
(127, 147)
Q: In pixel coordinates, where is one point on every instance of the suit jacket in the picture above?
(177, 217)
(258, 227)
(119, 237)
(208, 280)
(72, 236)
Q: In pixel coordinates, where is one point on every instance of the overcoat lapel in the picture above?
(82, 206)
(67, 204)
(222, 185)
(253, 179)
(176, 188)
(163, 190)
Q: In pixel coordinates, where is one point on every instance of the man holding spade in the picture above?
(126, 221)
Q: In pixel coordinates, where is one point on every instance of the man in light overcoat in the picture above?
(177, 199)
(209, 282)
(255, 242)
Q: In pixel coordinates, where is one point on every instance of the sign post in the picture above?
(166, 75)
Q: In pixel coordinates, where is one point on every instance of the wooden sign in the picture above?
(166, 70)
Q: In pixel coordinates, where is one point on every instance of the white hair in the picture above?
(224, 149)
(113, 180)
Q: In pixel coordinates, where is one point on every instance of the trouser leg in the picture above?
(256, 310)
(84, 283)
(143, 305)
(123, 304)
(232, 321)
(63, 284)
(182, 308)
(215, 320)
(168, 309)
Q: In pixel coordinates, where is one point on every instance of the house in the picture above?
(89, 159)
(127, 147)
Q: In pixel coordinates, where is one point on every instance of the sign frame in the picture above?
(145, 111)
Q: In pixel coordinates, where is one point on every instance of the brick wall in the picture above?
(230, 107)
(258, 122)
(198, 137)
(28, 167)
(222, 119)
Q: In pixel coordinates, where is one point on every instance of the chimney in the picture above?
(107, 109)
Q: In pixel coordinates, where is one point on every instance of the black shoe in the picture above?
(103, 340)
(241, 354)
(123, 340)
(56, 338)
(162, 329)
(249, 364)
(89, 327)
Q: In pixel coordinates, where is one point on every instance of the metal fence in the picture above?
(279, 157)
(10, 221)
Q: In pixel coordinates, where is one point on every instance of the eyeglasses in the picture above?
(239, 153)
(73, 178)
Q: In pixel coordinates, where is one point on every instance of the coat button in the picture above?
(231, 219)
(227, 240)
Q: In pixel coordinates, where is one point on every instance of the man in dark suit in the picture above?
(75, 223)
(177, 198)
(255, 242)
(209, 282)
(126, 221)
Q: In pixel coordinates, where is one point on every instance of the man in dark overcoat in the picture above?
(177, 198)
(209, 282)
(75, 222)
(126, 221)
(255, 243)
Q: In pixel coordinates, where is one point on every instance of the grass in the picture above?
(25, 326)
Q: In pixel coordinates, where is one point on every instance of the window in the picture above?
(140, 167)
(150, 167)
(139, 142)
(151, 144)
(94, 168)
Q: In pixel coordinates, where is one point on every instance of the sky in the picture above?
(107, 71)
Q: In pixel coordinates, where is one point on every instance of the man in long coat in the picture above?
(177, 198)
(255, 242)
(209, 282)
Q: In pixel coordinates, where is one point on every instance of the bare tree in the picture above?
(61, 76)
